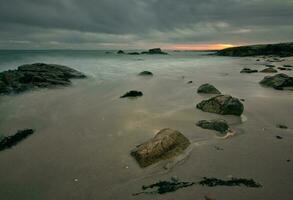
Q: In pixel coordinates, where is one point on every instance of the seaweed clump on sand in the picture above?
(213, 182)
(163, 187)
(10, 141)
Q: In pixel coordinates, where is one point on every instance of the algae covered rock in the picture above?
(166, 144)
(219, 125)
(222, 104)
(278, 81)
(208, 89)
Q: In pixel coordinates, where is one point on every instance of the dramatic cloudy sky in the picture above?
(138, 24)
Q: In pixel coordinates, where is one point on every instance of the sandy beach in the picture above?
(84, 133)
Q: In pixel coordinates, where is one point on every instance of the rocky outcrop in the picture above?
(38, 75)
(10, 141)
(166, 144)
(208, 89)
(269, 70)
(222, 104)
(145, 73)
(219, 125)
(278, 81)
(282, 49)
(154, 51)
(248, 70)
(132, 93)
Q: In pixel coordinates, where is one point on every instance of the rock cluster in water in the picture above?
(222, 104)
(166, 144)
(38, 75)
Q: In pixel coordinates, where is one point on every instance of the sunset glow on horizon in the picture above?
(200, 46)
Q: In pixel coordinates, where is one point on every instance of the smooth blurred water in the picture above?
(84, 133)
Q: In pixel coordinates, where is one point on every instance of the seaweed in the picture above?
(213, 182)
(163, 187)
(10, 141)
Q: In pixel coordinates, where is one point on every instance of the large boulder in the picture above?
(219, 125)
(278, 81)
(208, 89)
(166, 144)
(222, 104)
(38, 75)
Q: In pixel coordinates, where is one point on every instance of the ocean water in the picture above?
(84, 133)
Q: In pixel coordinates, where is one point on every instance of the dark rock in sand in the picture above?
(284, 69)
(268, 65)
(133, 53)
(219, 125)
(132, 93)
(120, 52)
(189, 82)
(154, 51)
(279, 137)
(269, 70)
(208, 89)
(278, 81)
(146, 73)
(37, 75)
(10, 141)
(282, 49)
(166, 144)
(288, 66)
(248, 70)
(281, 126)
(213, 182)
(222, 104)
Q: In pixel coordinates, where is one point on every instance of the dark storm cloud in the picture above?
(139, 23)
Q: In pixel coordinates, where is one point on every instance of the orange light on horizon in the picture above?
(200, 46)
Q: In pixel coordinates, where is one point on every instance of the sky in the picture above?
(143, 24)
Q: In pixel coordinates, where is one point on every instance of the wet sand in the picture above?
(84, 133)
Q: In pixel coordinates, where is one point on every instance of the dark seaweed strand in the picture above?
(10, 141)
(163, 187)
(213, 182)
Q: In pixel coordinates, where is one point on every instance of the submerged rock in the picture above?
(163, 187)
(222, 104)
(120, 52)
(268, 65)
(154, 51)
(166, 144)
(146, 73)
(213, 182)
(219, 125)
(38, 75)
(132, 93)
(248, 70)
(278, 81)
(133, 53)
(269, 70)
(208, 89)
(282, 126)
(10, 141)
